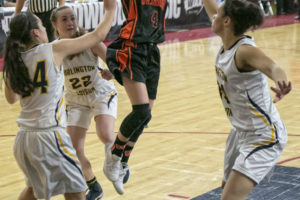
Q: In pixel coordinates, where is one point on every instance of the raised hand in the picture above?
(282, 90)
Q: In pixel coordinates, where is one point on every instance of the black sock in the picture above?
(91, 182)
(94, 185)
(126, 154)
(118, 147)
(133, 139)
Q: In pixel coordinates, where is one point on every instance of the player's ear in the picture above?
(227, 20)
(35, 32)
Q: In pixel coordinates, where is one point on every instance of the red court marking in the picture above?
(196, 133)
(178, 132)
(279, 20)
(168, 132)
(205, 32)
(193, 34)
(178, 196)
(288, 160)
(181, 132)
(7, 135)
(295, 135)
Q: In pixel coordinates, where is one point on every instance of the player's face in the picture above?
(66, 24)
(217, 22)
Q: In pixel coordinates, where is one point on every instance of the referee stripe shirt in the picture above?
(41, 6)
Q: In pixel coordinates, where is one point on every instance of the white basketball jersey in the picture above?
(44, 108)
(245, 95)
(83, 77)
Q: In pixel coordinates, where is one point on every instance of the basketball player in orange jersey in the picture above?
(134, 59)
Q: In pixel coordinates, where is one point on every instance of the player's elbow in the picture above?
(10, 96)
(12, 100)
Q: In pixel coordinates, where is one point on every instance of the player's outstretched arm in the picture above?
(65, 47)
(250, 58)
(211, 8)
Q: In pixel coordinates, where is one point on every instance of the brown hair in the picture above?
(15, 70)
(244, 14)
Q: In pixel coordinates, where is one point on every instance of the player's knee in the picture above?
(106, 136)
(140, 115)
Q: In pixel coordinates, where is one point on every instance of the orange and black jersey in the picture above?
(145, 21)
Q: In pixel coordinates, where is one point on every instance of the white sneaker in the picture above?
(112, 164)
(118, 184)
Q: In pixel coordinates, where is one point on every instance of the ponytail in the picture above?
(15, 72)
(14, 69)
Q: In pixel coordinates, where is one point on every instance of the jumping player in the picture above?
(134, 59)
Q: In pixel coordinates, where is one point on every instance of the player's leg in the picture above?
(252, 165)
(129, 71)
(27, 194)
(129, 147)
(78, 136)
(140, 115)
(75, 196)
(134, 123)
(105, 112)
(152, 71)
(105, 128)
(20, 146)
(127, 152)
(79, 118)
(151, 103)
(237, 187)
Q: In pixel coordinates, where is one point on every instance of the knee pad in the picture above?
(139, 116)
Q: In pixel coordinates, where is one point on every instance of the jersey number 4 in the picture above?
(40, 78)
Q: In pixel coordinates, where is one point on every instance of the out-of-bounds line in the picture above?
(288, 160)
(178, 196)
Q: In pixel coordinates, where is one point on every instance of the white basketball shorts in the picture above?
(49, 162)
(254, 154)
(80, 112)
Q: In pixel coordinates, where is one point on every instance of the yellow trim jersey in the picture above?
(83, 79)
(44, 108)
(245, 95)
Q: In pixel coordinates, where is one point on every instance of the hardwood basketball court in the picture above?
(180, 155)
